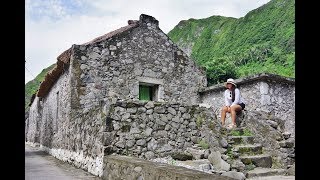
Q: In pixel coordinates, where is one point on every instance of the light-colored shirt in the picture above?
(228, 97)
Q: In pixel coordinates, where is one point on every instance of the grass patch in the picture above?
(173, 162)
(199, 121)
(249, 167)
(244, 132)
(230, 153)
(211, 125)
(247, 132)
(203, 144)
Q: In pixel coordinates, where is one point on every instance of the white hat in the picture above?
(230, 81)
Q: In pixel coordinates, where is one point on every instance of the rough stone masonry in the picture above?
(89, 105)
(68, 114)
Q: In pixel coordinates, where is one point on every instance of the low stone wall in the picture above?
(268, 93)
(131, 168)
(152, 129)
(128, 127)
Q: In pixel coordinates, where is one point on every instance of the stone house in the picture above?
(137, 62)
(134, 92)
(269, 93)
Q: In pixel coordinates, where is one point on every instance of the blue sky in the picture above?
(52, 26)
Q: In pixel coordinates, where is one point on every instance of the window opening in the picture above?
(148, 92)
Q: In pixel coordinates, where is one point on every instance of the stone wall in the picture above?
(93, 109)
(142, 55)
(47, 113)
(130, 168)
(70, 137)
(263, 92)
(149, 129)
(32, 129)
(99, 74)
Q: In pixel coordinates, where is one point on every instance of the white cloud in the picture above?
(52, 26)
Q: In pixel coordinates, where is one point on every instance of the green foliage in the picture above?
(261, 41)
(244, 132)
(199, 121)
(250, 166)
(235, 132)
(204, 144)
(219, 69)
(32, 86)
(211, 125)
(173, 162)
(230, 152)
(247, 132)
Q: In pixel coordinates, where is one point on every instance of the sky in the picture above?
(53, 26)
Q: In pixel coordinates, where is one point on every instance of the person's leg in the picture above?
(224, 111)
(234, 109)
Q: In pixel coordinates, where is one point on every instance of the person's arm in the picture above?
(226, 101)
(237, 97)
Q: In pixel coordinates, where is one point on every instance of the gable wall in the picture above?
(113, 68)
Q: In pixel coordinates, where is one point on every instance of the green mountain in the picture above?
(261, 41)
(32, 86)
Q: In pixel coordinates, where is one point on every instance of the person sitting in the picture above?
(234, 103)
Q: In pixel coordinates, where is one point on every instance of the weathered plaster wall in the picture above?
(264, 92)
(47, 113)
(33, 122)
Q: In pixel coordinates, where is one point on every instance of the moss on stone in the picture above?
(203, 144)
(241, 132)
(276, 164)
(229, 153)
(199, 121)
(182, 156)
(249, 167)
(130, 105)
(247, 161)
(111, 109)
(211, 125)
(249, 151)
(192, 111)
(125, 128)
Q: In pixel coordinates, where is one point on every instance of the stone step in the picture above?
(258, 160)
(278, 177)
(249, 149)
(260, 172)
(239, 129)
(240, 140)
(200, 164)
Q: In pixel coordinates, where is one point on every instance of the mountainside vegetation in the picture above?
(32, 86)
(261, 41)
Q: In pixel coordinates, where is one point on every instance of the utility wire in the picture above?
(28, 70)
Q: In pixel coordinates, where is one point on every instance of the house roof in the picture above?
(32, 98)
(252, 78)
(64, 59)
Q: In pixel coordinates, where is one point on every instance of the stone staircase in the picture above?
(245, 151)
